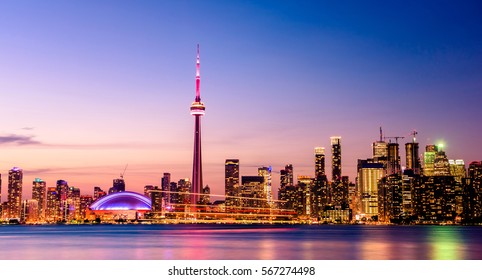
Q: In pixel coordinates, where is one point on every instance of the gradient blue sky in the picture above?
(89, 86)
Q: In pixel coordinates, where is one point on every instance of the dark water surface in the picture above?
(246, 242)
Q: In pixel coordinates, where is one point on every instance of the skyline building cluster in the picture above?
(439, 191)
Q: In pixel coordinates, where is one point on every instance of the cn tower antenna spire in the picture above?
(198, 77)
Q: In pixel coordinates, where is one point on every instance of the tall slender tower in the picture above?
(336, 158)
(197, 110)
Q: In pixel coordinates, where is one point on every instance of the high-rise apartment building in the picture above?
(15, 176)
(336, 158)
(319, 161)
(231, 183)
(39, 189)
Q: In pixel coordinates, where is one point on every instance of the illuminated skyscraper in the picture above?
(38, 193)
(380, 150)
(29, 212)
(475, 169)
(205, 197)
(441, 163)
(393, 159)
(73, 204)
(231, 182)
(390, 198)
(457, 169)
(429, 160)
(286, 176)
(52, 210)
(369, 173)
(472, 194)
(319, 194)
(156, 201)
(253, 193)
(174, 197)
(265, 172)
(62, 190)
(336, 158)
(304, 195)
(183, 189)
(287, 193)
(197, 110)
(434, 199)
(165, 187)
(412, 158)
(15, 176)
(319, 161)
(85, 202)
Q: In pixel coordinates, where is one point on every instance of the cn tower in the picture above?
(197, 110)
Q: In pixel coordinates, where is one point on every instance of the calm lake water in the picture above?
(247, 242)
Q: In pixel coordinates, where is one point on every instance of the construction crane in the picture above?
(122, 174)
(414, 134)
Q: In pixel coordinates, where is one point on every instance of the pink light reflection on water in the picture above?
(225, 242)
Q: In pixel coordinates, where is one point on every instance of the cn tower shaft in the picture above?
(197, 110)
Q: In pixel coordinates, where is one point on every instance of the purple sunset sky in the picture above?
(89, 86)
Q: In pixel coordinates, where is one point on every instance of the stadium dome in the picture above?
(122, 201)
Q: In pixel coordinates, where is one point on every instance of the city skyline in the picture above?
(92, 100)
